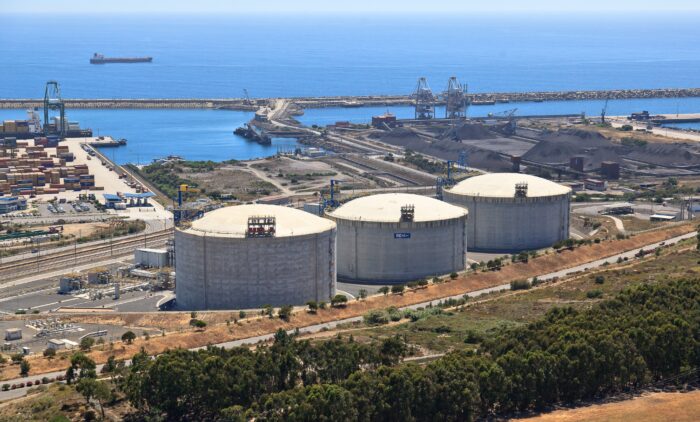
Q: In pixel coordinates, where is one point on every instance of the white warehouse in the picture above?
(511, 212)
(248, 256)
(399, 237)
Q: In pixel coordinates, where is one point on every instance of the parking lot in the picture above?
(70, 208)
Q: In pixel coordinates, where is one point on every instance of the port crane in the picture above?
(424, 100)
(604, 111)
(455, 99)
(247, 97)
(53, 101)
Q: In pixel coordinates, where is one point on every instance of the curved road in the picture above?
(5, 395)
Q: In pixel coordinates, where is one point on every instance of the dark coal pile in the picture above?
(446, 149)
(469, 131)
(672, 155)
(559, 147)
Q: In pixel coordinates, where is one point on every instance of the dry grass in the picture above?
(219, 331)
(652, 407)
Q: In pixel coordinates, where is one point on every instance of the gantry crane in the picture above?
(53, 101)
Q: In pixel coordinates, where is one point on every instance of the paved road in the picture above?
(5, 395)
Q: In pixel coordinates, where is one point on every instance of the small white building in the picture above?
(55, 344)
(153, 258)
(13, 334)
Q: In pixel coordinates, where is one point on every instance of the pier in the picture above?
(244, 104)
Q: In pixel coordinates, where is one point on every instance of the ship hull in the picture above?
(122, 60)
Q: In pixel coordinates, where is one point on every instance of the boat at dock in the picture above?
(101, 59)
(249, 131)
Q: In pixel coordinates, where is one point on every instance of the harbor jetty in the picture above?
(246, 104)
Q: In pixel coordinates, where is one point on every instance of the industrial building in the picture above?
(512, 212)
(12, 204)
(248, 256)
(399, 237)
(152, 258)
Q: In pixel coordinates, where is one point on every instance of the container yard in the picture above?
(41, 166)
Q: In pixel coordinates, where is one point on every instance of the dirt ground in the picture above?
(300, 175)
(232, 180)
(650, 407)
(180, 335)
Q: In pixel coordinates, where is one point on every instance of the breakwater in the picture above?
(350, 101)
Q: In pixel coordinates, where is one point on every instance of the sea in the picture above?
(202, 56)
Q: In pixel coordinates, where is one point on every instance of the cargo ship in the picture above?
(101, 59)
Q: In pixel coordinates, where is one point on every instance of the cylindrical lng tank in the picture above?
(249, 256)
(511, 212)
(396, 237)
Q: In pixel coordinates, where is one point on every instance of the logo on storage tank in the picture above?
(402, 235)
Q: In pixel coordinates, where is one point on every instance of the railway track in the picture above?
(81, 255)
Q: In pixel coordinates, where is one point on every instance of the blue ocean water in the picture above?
(219, 56)
(191, 134)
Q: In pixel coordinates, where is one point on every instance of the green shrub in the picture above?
(398, 288)
(520, 285)
(594, 294)
(376, 317)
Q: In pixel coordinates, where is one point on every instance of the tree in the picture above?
(422, 282)
(110, 366)
(102, 394)
(91, 388)
(384, 290)
(128, 337)
(312, 305)
(81, 366)
(339, 300)
(86, 343)
(362, 294)
(453, 275)
(268, 310)
(49, 353)
(24, 368)
(392, 350)
(285, 312)
(241, 314)
(398, 288)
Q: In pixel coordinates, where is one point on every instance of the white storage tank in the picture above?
(511, 212)
(248, 256)
(399, 237)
